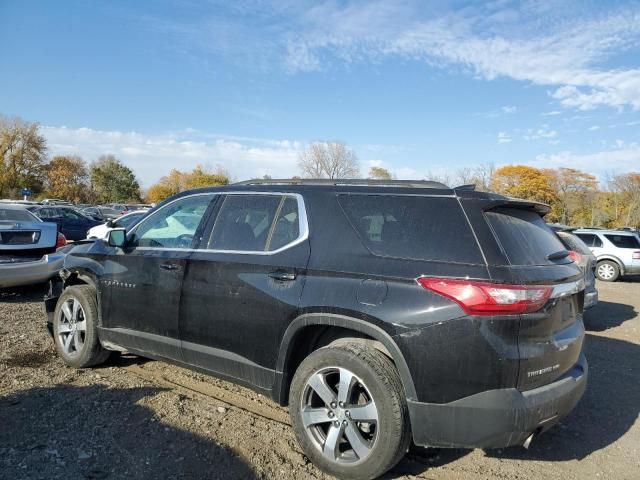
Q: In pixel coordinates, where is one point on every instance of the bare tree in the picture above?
(328, 160)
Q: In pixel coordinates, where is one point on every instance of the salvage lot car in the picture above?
(27, 247)
(470, 339)
(617, 251)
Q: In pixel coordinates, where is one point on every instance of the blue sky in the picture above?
(421, 88)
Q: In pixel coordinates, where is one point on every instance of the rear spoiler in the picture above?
(494, 200)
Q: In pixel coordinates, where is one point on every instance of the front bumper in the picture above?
(27, 273)
(497, 418)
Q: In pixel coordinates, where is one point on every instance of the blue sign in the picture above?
(26, 192)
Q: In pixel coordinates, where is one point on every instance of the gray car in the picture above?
(617, 252)
(583, 257)
(27, 248)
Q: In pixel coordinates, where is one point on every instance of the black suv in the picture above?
(380, 313)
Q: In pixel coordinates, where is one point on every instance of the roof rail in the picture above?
(350, 181)
(468, 187)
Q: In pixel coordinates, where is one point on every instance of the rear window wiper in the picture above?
(558, 255)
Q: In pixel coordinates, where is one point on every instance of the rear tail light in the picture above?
(575, 256)
(61, 241)
(482, 298)
(636, 255)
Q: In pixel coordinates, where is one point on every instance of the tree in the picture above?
(68, 179)
(112, 181)
(178, 181)
(22, 156)
(524, 182)
(574, 191)
(628, 188)
(379, 173)
(328, 160)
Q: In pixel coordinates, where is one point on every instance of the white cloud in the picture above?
(543, 49)
(621, 159)
(504, 137)
(509, 109)
(552, 113)
(154, 155)
(593, 128)
(540, 133)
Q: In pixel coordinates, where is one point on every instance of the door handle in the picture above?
(282, 275)
(169, 266)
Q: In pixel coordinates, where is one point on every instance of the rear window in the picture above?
(15, 215)
(623, 241)
(574, 243)
(421, 228)
(525, 237)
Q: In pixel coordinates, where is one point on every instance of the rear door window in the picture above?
(412, 227)
(244, 223)
(524, 236)
(623, 241)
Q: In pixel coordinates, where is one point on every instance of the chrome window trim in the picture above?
(303, 226)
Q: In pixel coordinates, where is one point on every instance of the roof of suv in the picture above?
(605, 230)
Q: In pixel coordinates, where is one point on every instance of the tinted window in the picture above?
(525, 238)
(623, 241)
(423, 228)
(244, 222)
(590, 239)
(70, 214)
(174, 225)
(16, 215)
(287, 226)
(574, 243)
(46, 213)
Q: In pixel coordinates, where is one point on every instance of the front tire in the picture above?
(75, 328)
(607, 271)
(349, 411)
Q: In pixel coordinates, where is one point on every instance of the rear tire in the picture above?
(75, 328)
(349, 411)
(607, 271)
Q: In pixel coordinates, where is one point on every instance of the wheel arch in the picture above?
(612, 258)
(376, 334)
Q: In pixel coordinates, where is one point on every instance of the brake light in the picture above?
(575, 256)
(636, 255)
(61, 241)
(483, 298)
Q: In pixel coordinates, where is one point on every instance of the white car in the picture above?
(126, 221)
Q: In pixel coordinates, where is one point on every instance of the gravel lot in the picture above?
(143, 419)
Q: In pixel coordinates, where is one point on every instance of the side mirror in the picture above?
(109, 223)
(117, 237)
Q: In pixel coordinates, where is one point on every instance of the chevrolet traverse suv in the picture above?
(380, 312)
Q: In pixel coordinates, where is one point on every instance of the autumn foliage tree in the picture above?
(22, 157)
(522, 181)
(379, 173)
(178, 181)
(68, 179)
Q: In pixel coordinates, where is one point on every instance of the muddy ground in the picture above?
(134, 418)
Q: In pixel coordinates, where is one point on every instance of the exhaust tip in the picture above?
(528, 441)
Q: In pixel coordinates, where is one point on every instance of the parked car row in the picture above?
(33, 234)
(617, 252)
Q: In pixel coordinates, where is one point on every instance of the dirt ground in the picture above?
(134, 418)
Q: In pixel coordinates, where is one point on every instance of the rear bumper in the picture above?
(590, 299)
(27, 273)
(497, 418)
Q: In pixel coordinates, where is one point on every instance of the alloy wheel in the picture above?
(72, 327)
(339, 415)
